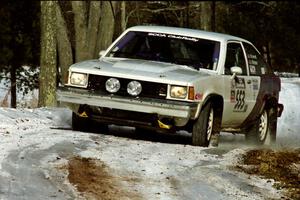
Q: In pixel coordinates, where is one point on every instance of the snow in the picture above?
(30, 145)
(289, 122)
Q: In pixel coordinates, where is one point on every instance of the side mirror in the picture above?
(101, 53)
(236, 70)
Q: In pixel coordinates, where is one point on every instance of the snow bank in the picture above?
(289, 122)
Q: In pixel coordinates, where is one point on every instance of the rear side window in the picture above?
(257, 64)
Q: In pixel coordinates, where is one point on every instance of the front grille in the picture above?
(149, 89)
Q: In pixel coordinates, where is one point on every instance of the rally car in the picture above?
(170, 79)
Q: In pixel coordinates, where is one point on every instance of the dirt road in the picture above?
(39, 162)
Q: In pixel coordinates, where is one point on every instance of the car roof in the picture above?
(187, 32)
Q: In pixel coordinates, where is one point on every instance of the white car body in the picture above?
(243, 96)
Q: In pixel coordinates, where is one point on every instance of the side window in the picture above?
(235, 57)
(256, 62)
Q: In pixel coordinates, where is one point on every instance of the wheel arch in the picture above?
(217, 102)
(270, 102)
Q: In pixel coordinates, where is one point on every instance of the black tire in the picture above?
(263, 131)
(97, 127)
(144, 131)
(80, 123)
(205, 126)
(85, 124)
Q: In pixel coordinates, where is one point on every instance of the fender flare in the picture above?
(217, 100)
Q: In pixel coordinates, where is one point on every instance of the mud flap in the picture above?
(279, 109)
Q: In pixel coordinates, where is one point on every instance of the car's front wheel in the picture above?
(205, 126)
(80, 123)
(85, 124)
(263, 131)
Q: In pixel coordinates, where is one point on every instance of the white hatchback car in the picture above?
(170, 79)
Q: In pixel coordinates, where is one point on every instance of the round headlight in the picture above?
(112, 85)
(134, 88)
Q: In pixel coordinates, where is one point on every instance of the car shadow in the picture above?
(145, 135)
(227, 140)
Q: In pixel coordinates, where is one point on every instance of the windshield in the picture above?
(183, 50)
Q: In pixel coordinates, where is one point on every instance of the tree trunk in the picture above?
(123, 16)
(181, 18)
(213, 16)
(13, 87)
(92, 32)
(48, 71)
(65, 56)
(120, 21)
(187, 14)
(80, 25)
(221, 12)
(106, 26)
(138, 13)
(205, 15)
(268, 54)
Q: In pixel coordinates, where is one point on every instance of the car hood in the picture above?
(140, 70)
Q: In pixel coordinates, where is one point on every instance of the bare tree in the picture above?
(65, 55)
(48, 63)
(123, 16)
(93, 27)
(80, 24)
(205, 16)
(106, 26)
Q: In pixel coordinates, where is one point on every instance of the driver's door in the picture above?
(238, 89)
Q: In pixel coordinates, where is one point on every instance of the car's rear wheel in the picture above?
(263, 131)
(205, 126)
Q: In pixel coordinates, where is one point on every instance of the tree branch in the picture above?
(177, 8)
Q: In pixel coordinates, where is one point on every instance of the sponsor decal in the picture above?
(252, 69)
(252, 60)
(198, 96)
(157, 34)
(183, 38)
(232, 96)
(238, 94)
(255, 84)
(242, 110)
(232, 84)
(238, 83)
(251, 56)
(174, 36)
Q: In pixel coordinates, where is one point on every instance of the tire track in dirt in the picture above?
(94, 181)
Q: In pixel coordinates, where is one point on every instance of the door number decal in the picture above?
(238, 97)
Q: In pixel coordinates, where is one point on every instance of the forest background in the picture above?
(41, 39)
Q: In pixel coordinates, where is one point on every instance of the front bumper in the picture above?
(145, 105)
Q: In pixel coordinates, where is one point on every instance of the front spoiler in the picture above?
(144, 105)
